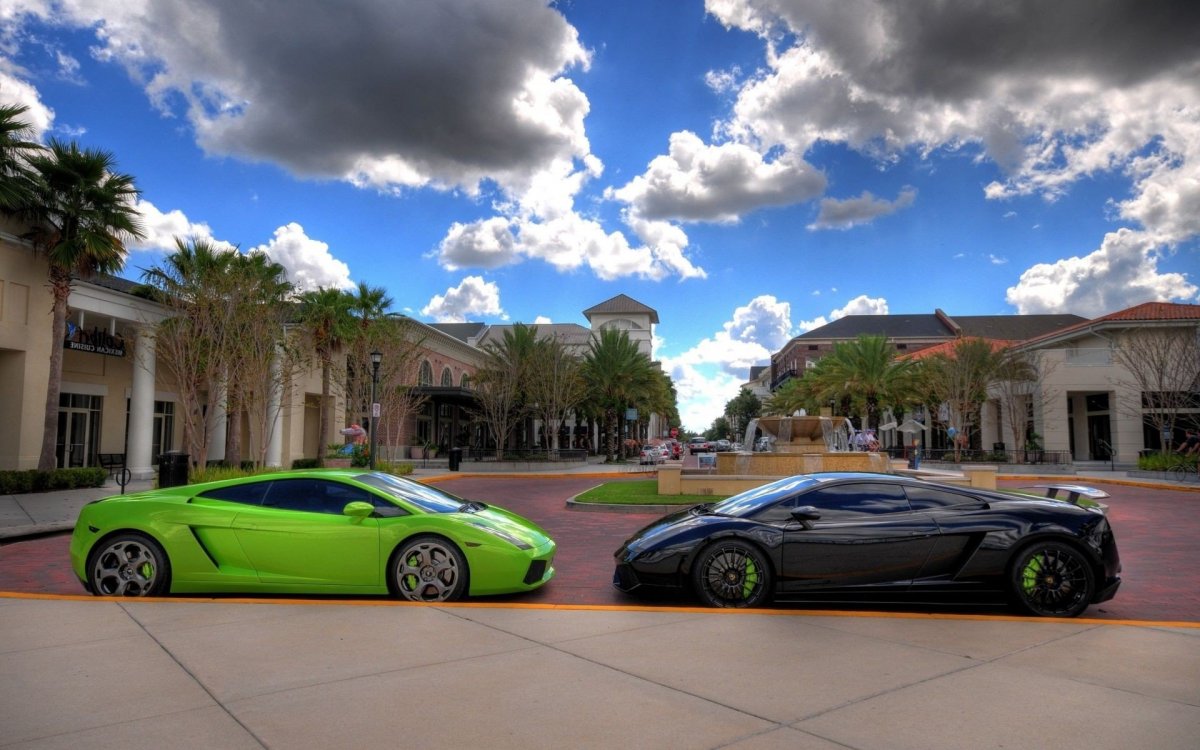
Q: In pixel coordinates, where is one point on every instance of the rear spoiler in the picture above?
(1074, 493)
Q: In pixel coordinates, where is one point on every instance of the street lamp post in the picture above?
(376, 358)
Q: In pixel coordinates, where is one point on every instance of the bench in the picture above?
(112, 462)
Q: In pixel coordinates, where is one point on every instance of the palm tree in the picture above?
(369, 305)
(864, 373)
(16, 149)
(617, 374)
(325, 314)
(82, 212)
(194, 344)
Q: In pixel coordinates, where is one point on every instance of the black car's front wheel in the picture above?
(129, 564)
(429, 569)
(732, 573)
(1052, 579)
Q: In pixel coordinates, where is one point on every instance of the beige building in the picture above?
(119, 401)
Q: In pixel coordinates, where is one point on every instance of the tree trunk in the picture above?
(60, 288)
(323, 416)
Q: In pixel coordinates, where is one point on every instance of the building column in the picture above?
(216, 438)
(274, 435)
(139, 441)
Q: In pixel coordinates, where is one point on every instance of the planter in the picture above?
(337, 463)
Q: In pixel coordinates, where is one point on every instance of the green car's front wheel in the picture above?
(429, 569)
(129, 564)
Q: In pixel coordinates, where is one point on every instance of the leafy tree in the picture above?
(326, 317)
(197, 283)
(500, 382)
(82, 212)
(740, 410)
(555, 385)
(401, 343)
(17, 147)
(791, 397)
(959, 379)
(1017, 383)
(369, 307)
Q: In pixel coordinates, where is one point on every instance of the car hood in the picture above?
(668, 528)
(508, 523)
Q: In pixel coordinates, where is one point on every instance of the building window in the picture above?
(426, 375)
(465, 382)
(447, 377)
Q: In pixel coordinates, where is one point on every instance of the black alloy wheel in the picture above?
(732, 573)
(1052, 579)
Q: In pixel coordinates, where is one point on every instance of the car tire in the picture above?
(129, 564)
(428, 569)
(732, 573)
(1052, 579)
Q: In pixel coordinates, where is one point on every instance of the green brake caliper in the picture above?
(1029, 575)
(146, 570)
(750, 578)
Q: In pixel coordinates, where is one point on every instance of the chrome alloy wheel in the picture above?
(733, 574)
(130, 565)
(429, 570)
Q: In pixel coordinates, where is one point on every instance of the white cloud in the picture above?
(472, 297)
(13, 90)
(710, 373)
(308, 262)
(698, 182)
(860, 305)
(162, 229)
(1122, 273)
(843, 214)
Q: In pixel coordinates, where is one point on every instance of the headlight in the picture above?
(503, 535)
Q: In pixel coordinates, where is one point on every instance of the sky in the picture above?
(751, 169)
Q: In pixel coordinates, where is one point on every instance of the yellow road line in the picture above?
(609, 608)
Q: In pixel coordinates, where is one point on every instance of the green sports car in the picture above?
(307, 532)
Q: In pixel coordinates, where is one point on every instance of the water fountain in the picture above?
(799, 444)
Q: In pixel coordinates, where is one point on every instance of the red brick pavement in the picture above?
(1158, 533)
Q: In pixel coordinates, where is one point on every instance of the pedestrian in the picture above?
(1191, 443)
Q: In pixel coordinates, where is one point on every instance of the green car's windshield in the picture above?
(424, 497)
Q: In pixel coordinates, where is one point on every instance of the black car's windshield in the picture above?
(752, 501)
(426, 498)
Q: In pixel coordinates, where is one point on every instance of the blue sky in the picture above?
(751, 169)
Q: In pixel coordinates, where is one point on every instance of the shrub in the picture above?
(305, 463)
(32, 480)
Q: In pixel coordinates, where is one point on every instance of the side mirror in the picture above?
(358, 509)
(806, 514)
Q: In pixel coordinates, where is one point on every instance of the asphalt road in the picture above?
(1158, 534)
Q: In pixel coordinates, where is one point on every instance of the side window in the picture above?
(247, 494)
(314, 495)
(845, 501)
(926, 498)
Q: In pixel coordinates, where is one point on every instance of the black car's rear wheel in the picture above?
(429, 569)
(1052, 579)
(129, 564)
(732, 574)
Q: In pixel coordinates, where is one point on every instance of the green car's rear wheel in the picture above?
(428, 569)
(129, 564)
(732, 574)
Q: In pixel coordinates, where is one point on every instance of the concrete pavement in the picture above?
(298, 674)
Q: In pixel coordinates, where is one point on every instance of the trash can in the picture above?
(173, 469)
(455, 458)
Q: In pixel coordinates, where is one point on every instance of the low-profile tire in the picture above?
(1052, 579)
(428, 569)
(129, 564)
(732, 573)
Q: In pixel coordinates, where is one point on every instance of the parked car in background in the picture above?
(722, 445)
(651, 454)
(699, 445)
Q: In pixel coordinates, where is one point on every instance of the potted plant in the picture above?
(1033, 448)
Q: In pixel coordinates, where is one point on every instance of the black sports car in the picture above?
(869, 537)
